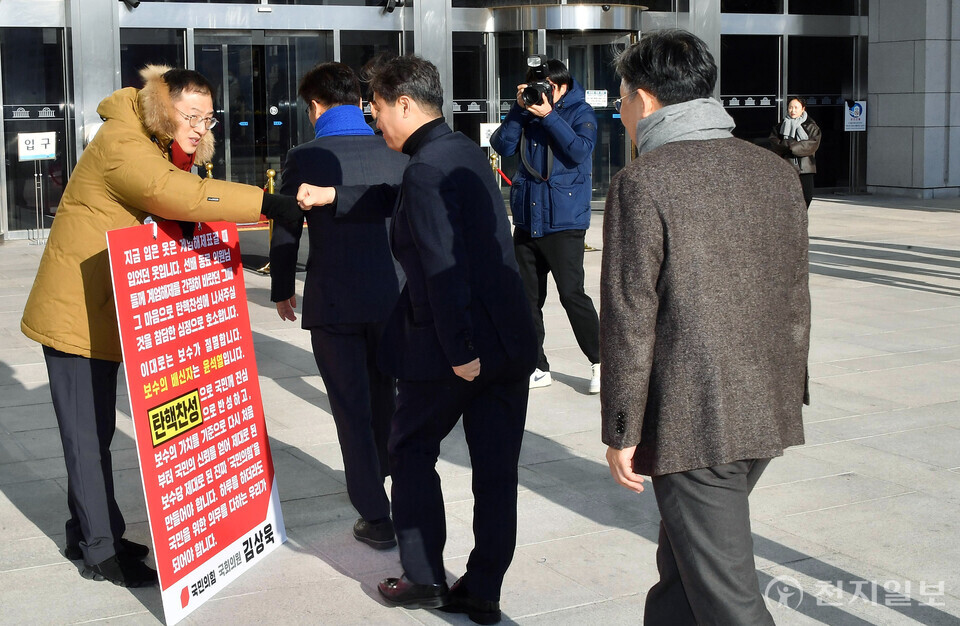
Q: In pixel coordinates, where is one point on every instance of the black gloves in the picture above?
(281, 208)
(187, 228)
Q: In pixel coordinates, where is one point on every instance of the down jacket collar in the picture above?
(575, 93)
(154, 111)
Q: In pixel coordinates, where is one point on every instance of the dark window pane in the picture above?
(827, 7)
(820, 65)
(750, 82)
(469, 124)
(659, 5)
(511, 64)
(751, 6)
(210, 1)
(148, 46)
(653, 5)
(355, 3)
(358, 47)
(469, 66)
(749, 65)
(754, 124)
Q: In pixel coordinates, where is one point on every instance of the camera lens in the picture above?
(530, 96)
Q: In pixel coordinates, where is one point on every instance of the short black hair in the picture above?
(180, 80)
(556, 71)
(330, 84)
(673, 65)
(408, 75)
(800, 99)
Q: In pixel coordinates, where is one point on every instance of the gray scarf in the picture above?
(692, 120)
(792, 127)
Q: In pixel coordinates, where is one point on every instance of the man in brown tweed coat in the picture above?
(704, 327)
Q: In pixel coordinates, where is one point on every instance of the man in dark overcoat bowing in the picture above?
(460, 341)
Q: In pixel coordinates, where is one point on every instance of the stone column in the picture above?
(433, 40)
(913, 102)
(93, 35)
(705, 23)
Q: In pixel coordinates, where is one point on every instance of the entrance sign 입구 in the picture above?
(205, 461)
(37, 146)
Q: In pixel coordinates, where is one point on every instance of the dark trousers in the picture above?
(494, 412)
(705, 552)
(806, 182)
(562, 254)
(84, 393)
(362, 400)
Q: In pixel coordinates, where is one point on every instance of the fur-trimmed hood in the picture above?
(159, 115)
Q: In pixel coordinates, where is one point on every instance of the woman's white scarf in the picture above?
(793, 128)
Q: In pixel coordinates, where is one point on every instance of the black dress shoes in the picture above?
(127, 550)
(377, 535)
(129, 573)
(408, 594)
(479, 611)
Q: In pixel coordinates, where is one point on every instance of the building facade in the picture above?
(59, 58)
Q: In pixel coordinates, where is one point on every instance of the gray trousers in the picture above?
(84, 393)
(705, 552)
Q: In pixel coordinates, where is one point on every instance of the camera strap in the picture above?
(526, 163)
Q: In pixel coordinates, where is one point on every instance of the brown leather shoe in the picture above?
(410, 595)
(479, 611)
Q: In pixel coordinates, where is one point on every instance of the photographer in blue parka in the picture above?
(553, 130)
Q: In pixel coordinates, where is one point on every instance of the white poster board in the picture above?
(597, 98)
(486, 130)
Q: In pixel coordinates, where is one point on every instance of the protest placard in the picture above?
(208, 480)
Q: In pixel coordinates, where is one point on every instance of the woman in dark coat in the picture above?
(797, 139)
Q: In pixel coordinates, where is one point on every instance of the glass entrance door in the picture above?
(36, 130)
(590, 59)
(255, 77)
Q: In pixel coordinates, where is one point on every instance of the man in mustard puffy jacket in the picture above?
(137, 167)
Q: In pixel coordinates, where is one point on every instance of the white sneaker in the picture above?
(539, 378)
(595, 379)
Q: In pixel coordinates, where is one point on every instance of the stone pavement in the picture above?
(859, 526)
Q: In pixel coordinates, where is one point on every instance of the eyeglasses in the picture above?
(196, 120)
(618, 103)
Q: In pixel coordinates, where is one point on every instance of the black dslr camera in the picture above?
(537, 86)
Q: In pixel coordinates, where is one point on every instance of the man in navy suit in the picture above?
(460, 342)
(351, 285)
